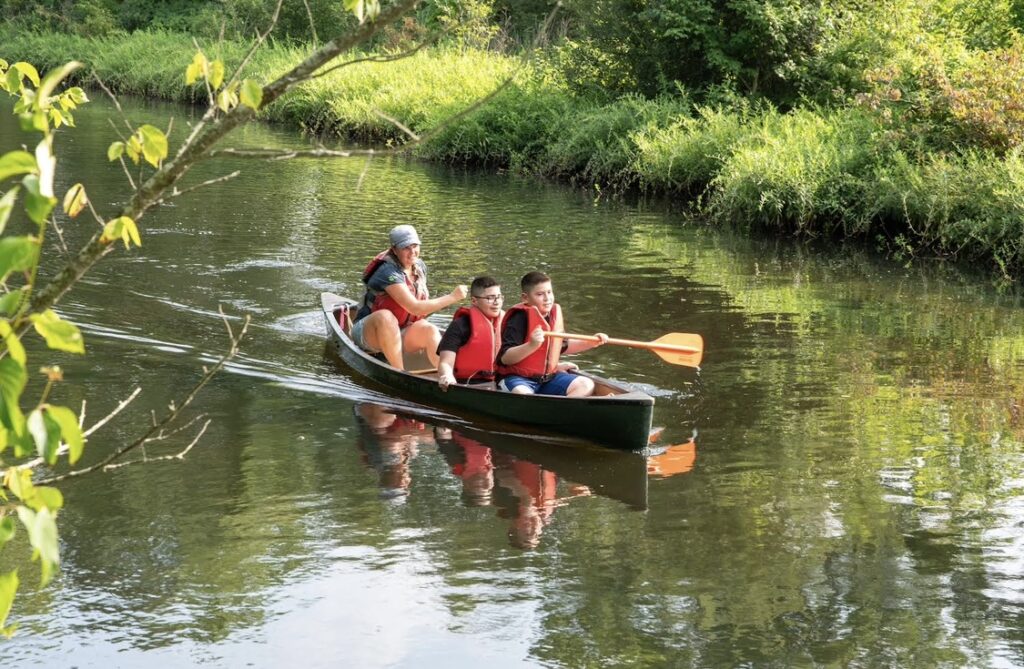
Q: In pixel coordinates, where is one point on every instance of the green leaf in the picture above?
(154, 144)
(12, 382)
(216, 73)
(12, 342)
(197, 68)
(8, 586)
(59, 334)
(9, 302)
(54, 77)
(7, 528)
(115, 150)
(7, 206)
(227, 98)
(42, 536)
(122, 228)
(251, 94)
(3, 447)
(134, 148)
(12, 81)
(39, 121)
(47, 497)
(37, 205)
(47, 163)
(14, 163)
(77, 94)
(46, 445)
(17, 254)
(19, 481)
(70, 431)
(27, 70)
(74, 201)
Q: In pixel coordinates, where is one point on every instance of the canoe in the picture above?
(616, 416)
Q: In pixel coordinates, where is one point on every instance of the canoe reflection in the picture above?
(523, 477)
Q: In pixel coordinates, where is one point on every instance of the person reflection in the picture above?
(470, 462)
(389, 442)
(530, 500)
(524, 492)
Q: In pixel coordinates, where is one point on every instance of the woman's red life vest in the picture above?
(544, 360)
(382, 300)
(475, 360)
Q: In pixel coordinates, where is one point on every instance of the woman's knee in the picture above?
(381, 326)
(422, 333)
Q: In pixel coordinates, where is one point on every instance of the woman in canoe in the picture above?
(390, 319)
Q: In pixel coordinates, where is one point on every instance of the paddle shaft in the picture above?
(653, 346)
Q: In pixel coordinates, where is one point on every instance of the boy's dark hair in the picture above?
(482, 283)
(531, 279)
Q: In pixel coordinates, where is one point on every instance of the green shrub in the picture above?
(598, 143)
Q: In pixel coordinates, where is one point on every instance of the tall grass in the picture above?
(811, 171)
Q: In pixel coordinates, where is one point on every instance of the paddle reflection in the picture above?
(524, 478)
(676, 459)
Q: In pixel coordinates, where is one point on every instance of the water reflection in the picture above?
(524, 478)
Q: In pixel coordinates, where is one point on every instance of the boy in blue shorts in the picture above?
(528, 362)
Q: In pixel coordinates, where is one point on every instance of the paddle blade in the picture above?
(690, 358)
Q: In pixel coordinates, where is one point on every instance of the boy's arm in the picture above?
(446, 369)
(454, 338)
(518, 353)
(578, 345)
(513, 349)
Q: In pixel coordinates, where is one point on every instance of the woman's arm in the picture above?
(400, 293)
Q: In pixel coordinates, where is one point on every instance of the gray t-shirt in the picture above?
(388, 274)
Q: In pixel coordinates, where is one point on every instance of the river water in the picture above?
(839, 485)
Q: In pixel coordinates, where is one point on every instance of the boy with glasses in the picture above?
(470, 344)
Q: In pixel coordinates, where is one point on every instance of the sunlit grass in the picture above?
(810, 171)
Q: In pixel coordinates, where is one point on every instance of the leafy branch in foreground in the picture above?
(51, 431)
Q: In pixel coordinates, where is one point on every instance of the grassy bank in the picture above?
(812, 171)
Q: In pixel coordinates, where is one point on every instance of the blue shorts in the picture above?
(357, 336)
(556, 385)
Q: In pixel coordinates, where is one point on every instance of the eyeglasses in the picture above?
(493, 299)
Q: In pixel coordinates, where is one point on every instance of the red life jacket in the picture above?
(382, 300)
(544, 360)
(475, 360)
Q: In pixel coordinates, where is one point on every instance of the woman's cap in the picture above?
(403, 235)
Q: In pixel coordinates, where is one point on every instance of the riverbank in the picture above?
(813, 171)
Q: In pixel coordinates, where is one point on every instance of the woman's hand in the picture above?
(602, 338)
(459, 292)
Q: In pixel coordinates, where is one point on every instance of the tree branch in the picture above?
(203, 138)
(156, 431)
(379, 59)
(176, 193)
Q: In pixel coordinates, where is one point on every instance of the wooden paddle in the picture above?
(676, 348)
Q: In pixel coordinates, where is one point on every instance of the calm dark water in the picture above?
(840, 485)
